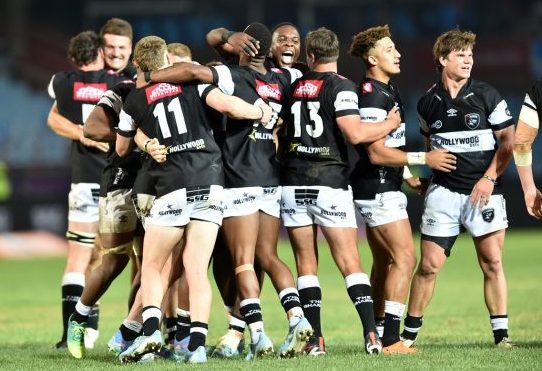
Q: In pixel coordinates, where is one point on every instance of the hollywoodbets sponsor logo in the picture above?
(162, 90)
(308, 88)
(266, 90)
(88, 92)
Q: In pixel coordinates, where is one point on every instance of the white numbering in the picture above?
(316, 128)
(86, 110)
(160, 113)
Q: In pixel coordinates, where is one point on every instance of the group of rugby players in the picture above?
(204, 162)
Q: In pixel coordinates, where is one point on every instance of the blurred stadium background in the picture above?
(34, 162)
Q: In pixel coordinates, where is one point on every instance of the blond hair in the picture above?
(179, 50)
(149, 53)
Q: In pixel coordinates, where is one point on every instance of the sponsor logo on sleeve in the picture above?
(366, 87)
(83, 92)
(161, 90)
(308, 88)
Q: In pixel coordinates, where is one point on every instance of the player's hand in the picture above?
(244, 43)
(481, 193)
(533, 201)
(441, 160)
(268, 113)
(102, 146)
(156, 150)
(418, 184)
(394, 118)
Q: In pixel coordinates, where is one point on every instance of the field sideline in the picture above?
(456, 332)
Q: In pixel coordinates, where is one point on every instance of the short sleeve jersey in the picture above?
(376, 99)
(249, 151)
(313, 149)
(465, 126)
(531, 110)
(76, 93)
(177, 117)
(119, 172)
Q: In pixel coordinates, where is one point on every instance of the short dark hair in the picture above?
(84, 47)
(261, 33)
(282, 24)
(365, 40)
(117, 26)
(323, 44)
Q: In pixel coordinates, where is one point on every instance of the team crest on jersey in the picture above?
(366, 87)
(266, 90)
(488, 215)
(308, 88)
(472, 120)
(88, 92)
(161, 90)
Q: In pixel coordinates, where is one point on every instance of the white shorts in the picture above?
(177, 208)
(445, 212)
(83, 202)
(248, 200)
(325, 206)
(117, 212)
(387, 207)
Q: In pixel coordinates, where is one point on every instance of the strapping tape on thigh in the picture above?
(243, 268)
(83, 238)
(124, 249)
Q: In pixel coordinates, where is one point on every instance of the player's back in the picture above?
(76, 93)
(313, 149)
(178, 118)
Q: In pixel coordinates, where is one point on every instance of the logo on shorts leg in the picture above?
(488, 215)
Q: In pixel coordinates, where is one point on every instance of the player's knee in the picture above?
(492, 267)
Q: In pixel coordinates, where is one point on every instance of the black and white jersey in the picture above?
(177, 117)
(464, 126)
(119, 172)
(376, 99)
(249, 151)
(313, 149)
(76, 93)
(531, 110)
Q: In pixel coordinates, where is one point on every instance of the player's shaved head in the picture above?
(262, 34)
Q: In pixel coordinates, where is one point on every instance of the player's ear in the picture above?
(373, 61)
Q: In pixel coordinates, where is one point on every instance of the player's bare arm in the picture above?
(525, 135)
(151, 146)
(178, 73)
(229, 43)
(68, 129)
(99, 126)
(436, 159)
(484, 187)
(356, 132)
(237, 108)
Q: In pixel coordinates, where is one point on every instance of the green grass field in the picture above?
(456, 332)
